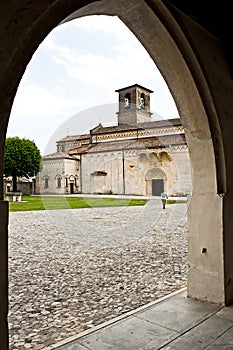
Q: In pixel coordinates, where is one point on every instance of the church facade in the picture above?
(137, 156)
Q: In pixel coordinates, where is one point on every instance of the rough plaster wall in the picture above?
(182, 70)
(111, 163)
(181, 172)
(135, 171)
(216, 65)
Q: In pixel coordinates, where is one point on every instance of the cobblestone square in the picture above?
(70, 270)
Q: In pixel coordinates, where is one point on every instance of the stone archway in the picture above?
(155, 178)
(192, 70)
(71, 184)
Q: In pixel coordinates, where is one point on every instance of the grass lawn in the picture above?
(176, 201)
(30, 203)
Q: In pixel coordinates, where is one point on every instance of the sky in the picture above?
(69, 85)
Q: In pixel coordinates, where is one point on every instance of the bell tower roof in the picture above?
(134, 86)
(134, 104)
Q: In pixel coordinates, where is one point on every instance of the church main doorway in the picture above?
(157, 187)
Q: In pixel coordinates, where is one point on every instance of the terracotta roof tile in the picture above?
(99, 129)
(150, 142)
(58, 155)
(75, 137)
(140, 126)
(81, 149)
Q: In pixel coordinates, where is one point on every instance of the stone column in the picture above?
(205, 217)
(3, 274)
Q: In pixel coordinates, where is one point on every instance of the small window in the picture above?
(66, 182)
(142, 101)
(58, 181)
(46, 182)
(127, 100)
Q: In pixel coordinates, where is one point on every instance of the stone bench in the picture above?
(14, 196)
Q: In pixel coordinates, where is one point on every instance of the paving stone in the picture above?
(131, 333)
(203, 335)
(70, 270)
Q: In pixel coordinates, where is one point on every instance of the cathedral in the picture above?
(137, 156)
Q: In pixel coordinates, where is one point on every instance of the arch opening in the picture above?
(99, 176)
(193, 114)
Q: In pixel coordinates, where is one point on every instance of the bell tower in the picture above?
(134, 105)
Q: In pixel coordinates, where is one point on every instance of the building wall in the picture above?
(27, 188)
(54, 168)
(182, 163)
(65, 146)
(71, 172)
(109, 162)
(132, 171)
(128, 134)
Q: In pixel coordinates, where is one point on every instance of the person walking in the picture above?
(164, 198)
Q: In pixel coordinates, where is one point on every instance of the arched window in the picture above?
(58, 181)
(127, 100)
(142, 101)
(46, 182)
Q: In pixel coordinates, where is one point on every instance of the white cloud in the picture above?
(66, 53)
(111, 25)
(37, 112)
(90, 69)
(83, 76)
(39, 102)
(130, 60)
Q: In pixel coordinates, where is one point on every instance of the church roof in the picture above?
(142, 143)
(75, 137)
(81, 149)
(132, 86)
(58, 155)
(99, 129)
(140, 126)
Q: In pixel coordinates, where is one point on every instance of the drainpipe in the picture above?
(123, 170)
(80, 171)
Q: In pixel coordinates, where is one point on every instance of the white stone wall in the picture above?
(138, 164)
(71, 172)
(181, 161)
(111, 163)
(53, 168)
(135, 171)
(171, 165)
(50, 169)
(137, 167)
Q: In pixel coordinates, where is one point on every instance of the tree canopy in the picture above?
(22, 158)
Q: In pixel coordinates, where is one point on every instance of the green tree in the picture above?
(21, 158)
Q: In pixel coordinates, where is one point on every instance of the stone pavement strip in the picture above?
(73, 269)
